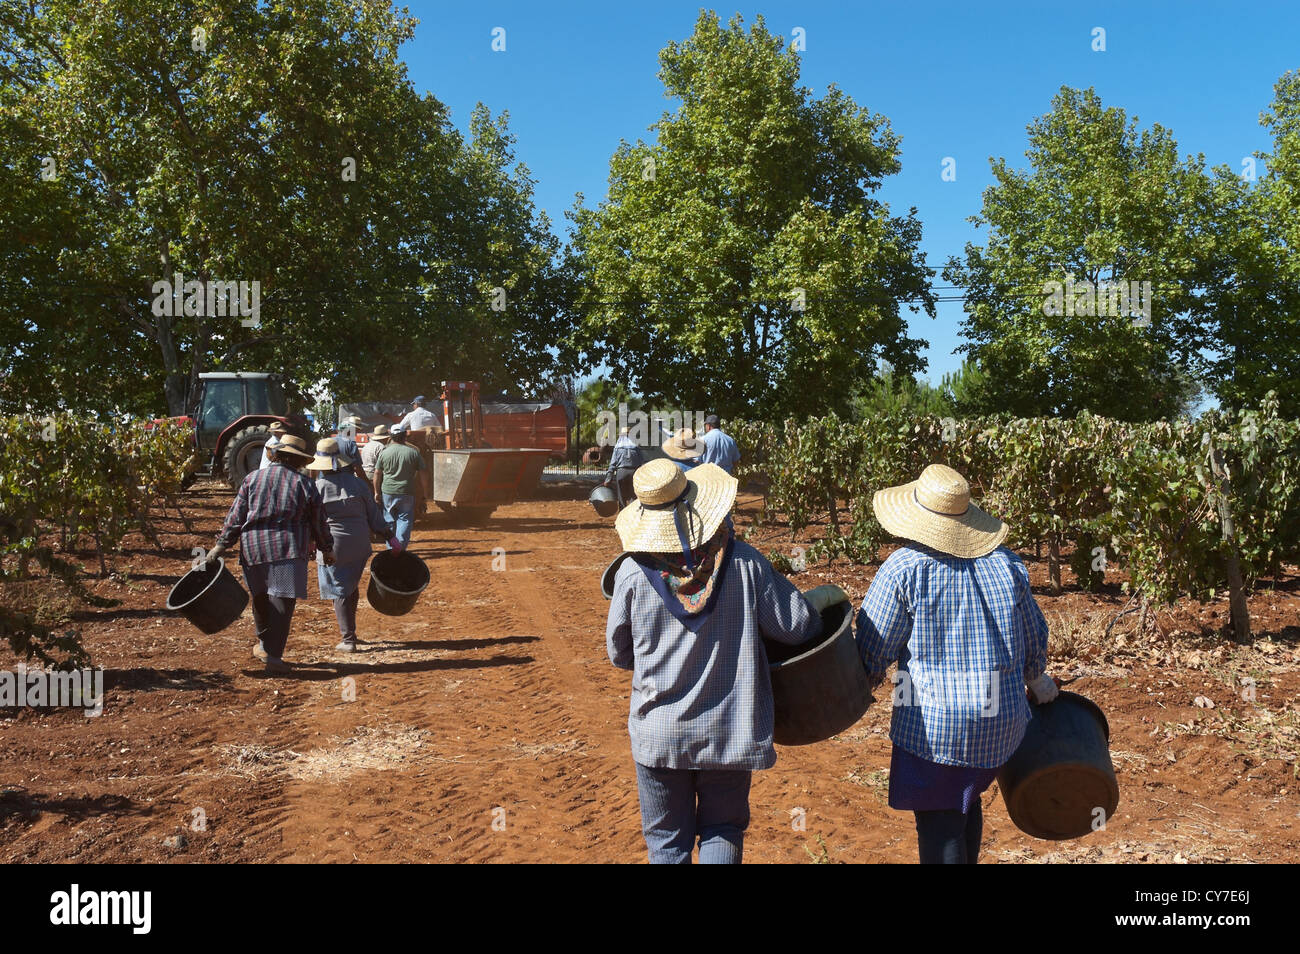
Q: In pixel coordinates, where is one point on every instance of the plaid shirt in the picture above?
(703, 700)
(276, 515)
(967, 635)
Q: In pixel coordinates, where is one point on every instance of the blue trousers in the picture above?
(399, 511)
(680, 805)
(950, 837)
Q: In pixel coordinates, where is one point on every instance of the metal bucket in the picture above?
(611, 571)
(819, 688)
(1060, 782)
(209, 597)
(396, 582)
(604, 500)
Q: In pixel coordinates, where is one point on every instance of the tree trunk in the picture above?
(176, 381)
(1054, 562)
(1236, 587)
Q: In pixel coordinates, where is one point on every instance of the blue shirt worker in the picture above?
(719, 447)
(689, 612)
(954, 608)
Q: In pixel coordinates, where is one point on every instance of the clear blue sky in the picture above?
(959, 80)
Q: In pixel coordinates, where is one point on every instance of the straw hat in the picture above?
(278, 427)
(290, 444)
(683, 445)
(329, 456)
(668, 497)
(380, 433)
(936, 511)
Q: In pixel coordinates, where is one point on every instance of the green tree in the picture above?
(754, 190)
(1249, 331)
(1101, 202)
(256, 140)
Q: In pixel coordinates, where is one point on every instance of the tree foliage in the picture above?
(254, 140)
(754, 190)
(1101, 202)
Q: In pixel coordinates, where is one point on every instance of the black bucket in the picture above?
(396, 582)
(611, 571)
(604, 500)
(209, 597)
(819, 688)
(1060, 782)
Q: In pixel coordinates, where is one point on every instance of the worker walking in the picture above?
(954, 607)
(351, 514)
(277, 431)
(623, 463)
(397, 484)
(276, 516)
(379, 439)
(689, 611)
(684, 448)
(719, 448)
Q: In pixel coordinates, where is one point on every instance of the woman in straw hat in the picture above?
(276, 515)
(684, 448)
(351, 514)
(954, 607)
(688, 614)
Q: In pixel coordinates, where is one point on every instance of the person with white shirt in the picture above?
(419, 418)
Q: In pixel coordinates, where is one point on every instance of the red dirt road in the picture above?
(488, 725)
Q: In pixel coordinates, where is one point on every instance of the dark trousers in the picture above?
(950, 837)
(345, 611)
(271, 616)
(623, 486)
(679, 805)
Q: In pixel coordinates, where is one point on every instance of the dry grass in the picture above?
(367, 749)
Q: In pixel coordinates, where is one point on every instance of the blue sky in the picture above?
(955, 80)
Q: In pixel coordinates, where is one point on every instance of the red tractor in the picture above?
(234, 413)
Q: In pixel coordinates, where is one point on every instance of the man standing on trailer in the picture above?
(420, 423)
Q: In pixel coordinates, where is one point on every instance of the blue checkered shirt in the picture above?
(967, 635)
(703, 700)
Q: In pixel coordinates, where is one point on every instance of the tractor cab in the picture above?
(233, 414)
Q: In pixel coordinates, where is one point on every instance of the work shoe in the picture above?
(277, 667)
(259, 650)
(346, 646)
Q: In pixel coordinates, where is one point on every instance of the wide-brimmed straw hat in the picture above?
(380, 433)
(936, 511)
(675, 510)
(683, 445)
(290, 444)
(329, 456)
(276, 427)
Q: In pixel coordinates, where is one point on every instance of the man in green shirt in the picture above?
(398, 484)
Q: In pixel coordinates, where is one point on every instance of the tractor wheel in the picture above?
(244, 453)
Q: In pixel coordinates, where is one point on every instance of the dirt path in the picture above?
(488, 725)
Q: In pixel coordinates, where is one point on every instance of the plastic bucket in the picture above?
(1060, 782)
(611, 571)
(396, 582)
(209, 597)
(818, 688)
(604, 500)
